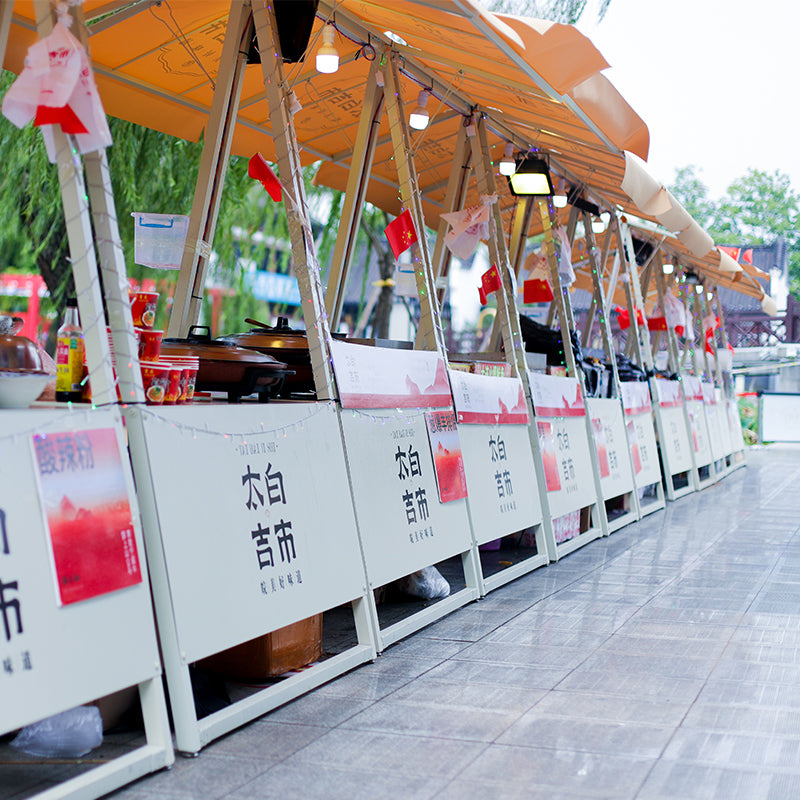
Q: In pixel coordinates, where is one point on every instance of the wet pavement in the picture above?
(660, 662)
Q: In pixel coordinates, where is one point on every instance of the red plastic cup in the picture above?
(143, 309)
(174, 386)
(155, 377)
(149, 344)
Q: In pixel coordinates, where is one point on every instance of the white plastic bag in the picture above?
(70, 734)
(427, 584)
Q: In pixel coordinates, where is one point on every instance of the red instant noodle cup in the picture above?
(155, 377)
(143, 309)
(149, 344)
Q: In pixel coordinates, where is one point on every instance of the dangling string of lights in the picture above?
(314, 410)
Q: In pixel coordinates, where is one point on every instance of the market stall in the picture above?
(64, 650)
(258, 517)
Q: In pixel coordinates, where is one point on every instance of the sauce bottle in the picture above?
(69, 356)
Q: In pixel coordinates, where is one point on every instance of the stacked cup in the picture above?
(166, 381)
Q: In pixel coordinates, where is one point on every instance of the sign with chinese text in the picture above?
(555, 396)
(404, 526)
(447, 458)
(379, 377)
(564, 445)
(674, 438)
(255, 516)
(716, 417)
(481, 399)
(693, 388)
(699, 430)
(611, 441)
(635, 397)
(501, 478)
(644, 450)
(669, 393)
(84, 498)
(54, 657)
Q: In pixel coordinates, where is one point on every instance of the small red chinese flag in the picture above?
(490, 282)
(710, 346)
(747, 256)
(657, 323)
(258, 169)
(401, 233)
(624, 317)
(730, 347)
(536, 290)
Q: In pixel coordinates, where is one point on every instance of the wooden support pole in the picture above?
(509, 327)
(429, 334)
(357, 180)
(304, 256)
(213, 167)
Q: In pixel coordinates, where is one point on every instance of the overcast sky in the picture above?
(716, 81)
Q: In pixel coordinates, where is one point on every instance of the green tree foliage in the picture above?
(565, 11)
(757, 208)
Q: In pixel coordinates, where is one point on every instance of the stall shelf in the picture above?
(75, 633)
(675, 447)
(718, 431)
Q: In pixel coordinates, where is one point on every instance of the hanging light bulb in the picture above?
(599, 223)
(709, 296)
(419, 117)
(699, 288)
(327, 55)
(508, 166)
(668, 268)
(560, 197)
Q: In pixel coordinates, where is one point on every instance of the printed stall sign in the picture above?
(481, 399)
(403, 523)
(718, 432)
(697, 420)
(635, 397)
(673, 434)
(87, 513)
(641, 432)
(563, 442)
(70, 500)
(375, 377)
(611, 441)
(255, 516)
(446, 452)
(554, 396)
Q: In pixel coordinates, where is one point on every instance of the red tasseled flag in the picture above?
(259, 170)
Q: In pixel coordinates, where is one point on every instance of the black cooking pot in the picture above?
(227, 368)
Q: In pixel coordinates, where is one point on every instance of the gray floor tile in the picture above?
(723, 748)
(545, 731)
(435, 692)
(267, 741)
(608, 708)
(495, 674)
(301, 780)
(602, 775)
(471, 725)
(412, 756)
(681, 780)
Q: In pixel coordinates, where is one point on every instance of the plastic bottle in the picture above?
(69, 356)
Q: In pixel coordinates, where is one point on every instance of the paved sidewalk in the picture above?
(661, 662)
